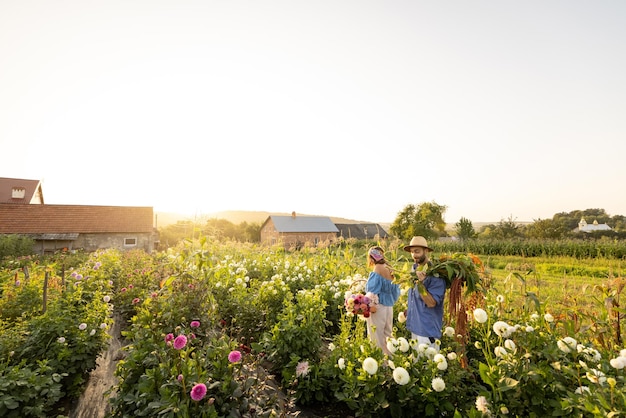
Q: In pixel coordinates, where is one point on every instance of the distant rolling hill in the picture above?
(237, 216)
(258, 217)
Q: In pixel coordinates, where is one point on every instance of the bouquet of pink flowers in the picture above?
(361, 304)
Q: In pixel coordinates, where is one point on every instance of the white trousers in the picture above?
(425, 340)
(380, 326)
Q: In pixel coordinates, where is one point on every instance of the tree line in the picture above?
(426, 219)
(219, 229)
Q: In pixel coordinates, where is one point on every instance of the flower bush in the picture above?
(198, 377)
(414, 381)
(297, 332)
(212, 324)
(527, 368)
(55, 343)
(17, 397)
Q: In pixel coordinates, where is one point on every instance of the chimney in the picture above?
(293, 215)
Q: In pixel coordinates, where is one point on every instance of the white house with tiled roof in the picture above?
(583, 226)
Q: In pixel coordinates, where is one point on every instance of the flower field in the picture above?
(216, 330)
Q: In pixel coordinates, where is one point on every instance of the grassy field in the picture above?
(554, 277)
(583, 294)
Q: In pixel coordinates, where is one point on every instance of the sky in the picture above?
(497, 110)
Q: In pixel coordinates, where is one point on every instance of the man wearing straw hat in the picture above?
(425, 299)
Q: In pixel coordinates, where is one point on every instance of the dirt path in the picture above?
(94, 403)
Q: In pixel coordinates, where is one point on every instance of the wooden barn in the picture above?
(297, 231)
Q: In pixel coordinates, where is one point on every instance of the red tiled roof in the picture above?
(58, 219)
(31, 187)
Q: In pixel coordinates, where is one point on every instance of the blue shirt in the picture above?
(420, 319)
(387, 291)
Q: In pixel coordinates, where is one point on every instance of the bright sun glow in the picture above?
(350, 109)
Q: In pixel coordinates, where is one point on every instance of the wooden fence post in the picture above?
(45, 292)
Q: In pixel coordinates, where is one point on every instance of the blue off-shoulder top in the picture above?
(387, 291)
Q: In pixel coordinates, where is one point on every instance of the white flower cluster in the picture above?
(401, 317)
(423, 350)
(480, 315)
(400, 343)
(441, 361)
(567, 344)
(589, 353)
(596, 376)
(373, 298)
(619, 362)
(401, 376)
(438, 384)
(370, 365)
(482, 405)
(502, 329)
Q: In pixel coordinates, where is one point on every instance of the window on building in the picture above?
(130, 242)
(18, 193)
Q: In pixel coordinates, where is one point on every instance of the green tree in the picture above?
(220, 228)
(425, 219)
(15, 246)
(507, 229)
(546, 229)
(225, 229)
(618, 223)
(571, 219)
(172, 234)
(486, 231)
(249, 232)
(465, 229)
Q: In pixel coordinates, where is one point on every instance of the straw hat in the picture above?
(417, 242)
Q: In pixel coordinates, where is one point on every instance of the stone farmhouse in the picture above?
(296, 231)
(72, 227)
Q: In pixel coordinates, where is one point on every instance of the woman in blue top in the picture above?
(380, 283)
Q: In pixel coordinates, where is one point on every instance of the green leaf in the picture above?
(507, 383)
(11, 403)
(484, 370)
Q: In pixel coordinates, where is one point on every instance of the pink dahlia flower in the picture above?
(180, 342)
(234, 356)
(198, 392)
